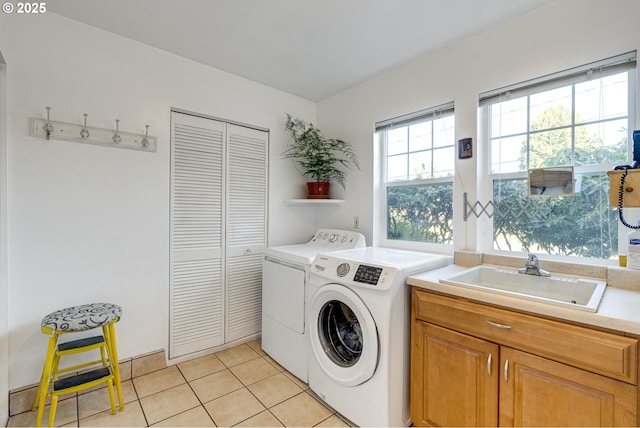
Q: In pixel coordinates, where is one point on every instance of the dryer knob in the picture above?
(342, 269)
(333, 237)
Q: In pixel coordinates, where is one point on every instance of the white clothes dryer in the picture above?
(358, 316)
(285, 274)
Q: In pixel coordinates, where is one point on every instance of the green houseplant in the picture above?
(318, 158)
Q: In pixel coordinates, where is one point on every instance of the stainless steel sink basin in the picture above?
(561, 290)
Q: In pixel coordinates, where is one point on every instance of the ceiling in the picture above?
(309, 48)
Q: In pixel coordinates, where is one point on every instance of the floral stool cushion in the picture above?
(80, 318)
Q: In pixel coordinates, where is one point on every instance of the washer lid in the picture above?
(406, 261)
(343, 335)
(299, 253)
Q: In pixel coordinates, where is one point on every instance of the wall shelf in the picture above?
(314, 202)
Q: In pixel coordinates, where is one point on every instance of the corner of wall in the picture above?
(4, 289)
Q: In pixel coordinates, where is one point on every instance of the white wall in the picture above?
(562, 35)
(4, 286)
(90, 223)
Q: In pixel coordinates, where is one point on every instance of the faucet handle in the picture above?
(532, 260)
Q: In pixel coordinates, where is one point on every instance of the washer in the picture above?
(285, 275)
(358, 316)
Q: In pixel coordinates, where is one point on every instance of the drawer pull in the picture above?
(489, 365)
(506, 370)
(495, 324)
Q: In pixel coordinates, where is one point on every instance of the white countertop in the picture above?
(619, 308)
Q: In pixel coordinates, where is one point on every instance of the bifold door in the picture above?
(218, 232)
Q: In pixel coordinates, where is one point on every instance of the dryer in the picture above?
(285, 274)
(358, 317)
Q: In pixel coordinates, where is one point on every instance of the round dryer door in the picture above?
(343, 334)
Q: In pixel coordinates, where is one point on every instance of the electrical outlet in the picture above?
(356, 222)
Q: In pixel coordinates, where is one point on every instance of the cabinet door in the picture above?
(453, 378)
(535, 391)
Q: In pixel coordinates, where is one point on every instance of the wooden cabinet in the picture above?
(539, 392)
(451, 378)
(475, 365)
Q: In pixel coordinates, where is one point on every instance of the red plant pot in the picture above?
(318, 190)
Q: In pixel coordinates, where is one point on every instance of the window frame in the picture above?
(381, 135)
(625, 62)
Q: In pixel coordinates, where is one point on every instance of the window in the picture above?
(581, 118)
(418, 170)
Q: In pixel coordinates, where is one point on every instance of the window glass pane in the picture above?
(601, 143)
(550, 109)
(421, 151)
(420, 165)
(397, 168)
(444, 131)
(444, 162)
(421, 213)
(508, 155)
(397, 141)
(600, 99)
(550, 148)
(420, 136)
(509, 117)
(583, 124)
(582, 225)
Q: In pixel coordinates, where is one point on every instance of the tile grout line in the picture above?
(197, 397)
(135, 390)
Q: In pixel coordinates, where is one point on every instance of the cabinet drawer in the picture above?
(605, 353)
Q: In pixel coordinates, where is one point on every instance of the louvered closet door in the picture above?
(246, 228)
(196, 238)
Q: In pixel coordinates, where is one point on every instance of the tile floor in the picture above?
(240, 386)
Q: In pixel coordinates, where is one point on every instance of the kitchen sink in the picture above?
(561, 290)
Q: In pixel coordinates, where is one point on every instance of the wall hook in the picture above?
(47, 127)
(116, 137)
(79, 133)
(145, 140)
(85, 132)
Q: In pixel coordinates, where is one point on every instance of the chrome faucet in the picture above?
(531, 267)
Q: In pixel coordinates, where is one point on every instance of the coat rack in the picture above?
(49, 129)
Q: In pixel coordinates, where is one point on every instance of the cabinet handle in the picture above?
(495, 324)
(489, 365)
(506, 370)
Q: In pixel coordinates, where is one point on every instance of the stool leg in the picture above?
(110, 337)
(52, 410)
(111, 397)
(43, 388)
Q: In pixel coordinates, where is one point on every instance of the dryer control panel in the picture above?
(335, 239)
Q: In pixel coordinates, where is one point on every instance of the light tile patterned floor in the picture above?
(240, 386)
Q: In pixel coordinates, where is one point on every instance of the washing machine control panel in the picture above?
(368, 274)
(354, 273)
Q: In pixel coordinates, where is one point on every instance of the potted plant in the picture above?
(318, 158)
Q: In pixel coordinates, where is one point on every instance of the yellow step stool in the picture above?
(104, 370)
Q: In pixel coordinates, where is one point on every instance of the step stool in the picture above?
(105, 370)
